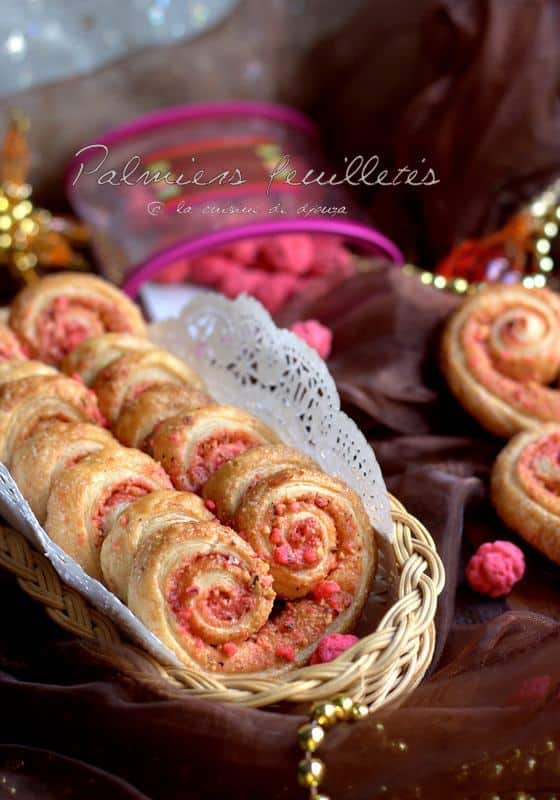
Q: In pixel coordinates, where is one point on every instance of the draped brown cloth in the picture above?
(471, 86)
(476, 728)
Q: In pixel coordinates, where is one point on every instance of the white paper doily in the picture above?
(246, 361)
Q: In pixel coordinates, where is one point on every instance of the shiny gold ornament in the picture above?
(311, 772)
(326, 714)
(344, 706)
(31, 237)
(359, 712)
(310, 736)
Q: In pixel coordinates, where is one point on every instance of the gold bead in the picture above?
(311, 772)
(440, 282)
(426, 278)
(530, 765)
(496, 769)
(310, 736)
(344, 706)
(359, 712)
(321, 796)
(543, 246)
(380, 728)
(400, 747)
(325, 714)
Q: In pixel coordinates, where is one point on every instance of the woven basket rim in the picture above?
(381, 669)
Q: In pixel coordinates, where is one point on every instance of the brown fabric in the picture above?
(64, 716)
(470, 85)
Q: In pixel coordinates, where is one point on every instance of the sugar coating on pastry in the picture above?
(191, 447)
(26, 403)
(226, 488)
(53, 448)
(138, 522)
(85, 501)
(94, 354)
(123, 380)
(500, 351)
(138, 419)
(16, 370)
(525, 488)
(54, 315)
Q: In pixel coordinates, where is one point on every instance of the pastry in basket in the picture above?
(191, 447)
(92, 355)
(138, 419)
(526, 488)
(209, 597)
(52, 316)
(125, 379)
(10, 346)
(84, 501)
(140, 520)
(227, 486)
(501, 352)
(311, 528)
(55, 447)
(15, 370)
(26, 403)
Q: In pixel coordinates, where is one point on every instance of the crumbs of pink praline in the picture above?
(330, 647)
(495, 568)
(316, 335)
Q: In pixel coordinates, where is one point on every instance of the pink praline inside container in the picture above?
(140, 229)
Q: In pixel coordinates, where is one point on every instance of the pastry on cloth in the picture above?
(55, 314)
(27, 403)
(140, 520)
(192, 446)
(54, 448)
(500, 353)
(16, 370)
(138, 419)
(84, 501)
(92, 355)
(124, 379)
(10, 347)
(227, 486)
(525, 488)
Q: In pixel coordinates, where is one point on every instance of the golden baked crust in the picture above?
(124, 379)
(16, 370)
(26, 403)
(53, 315)
(227, 486)
(53, 448)
(310, 528)
(140, 520)
(525, 487)
(138, 419)
(10, 346)
(499, 350)
(94, 354)
(192, 446)
(84, 500)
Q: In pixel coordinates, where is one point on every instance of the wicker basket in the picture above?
(383, 668)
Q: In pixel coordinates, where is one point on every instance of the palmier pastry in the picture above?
(16, 370)
(26, 403)
(140, 520)
(500, 350)
(227, 486)
(139, 418)
(202, 589)
(526, 488)
(53, 448)
(191, 447)
(314, 532)
(85, 500)
(10, 346)
(126, 378)
(92, 355)
(54, 315)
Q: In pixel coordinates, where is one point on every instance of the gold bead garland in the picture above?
(311, 770)
(545, 212)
